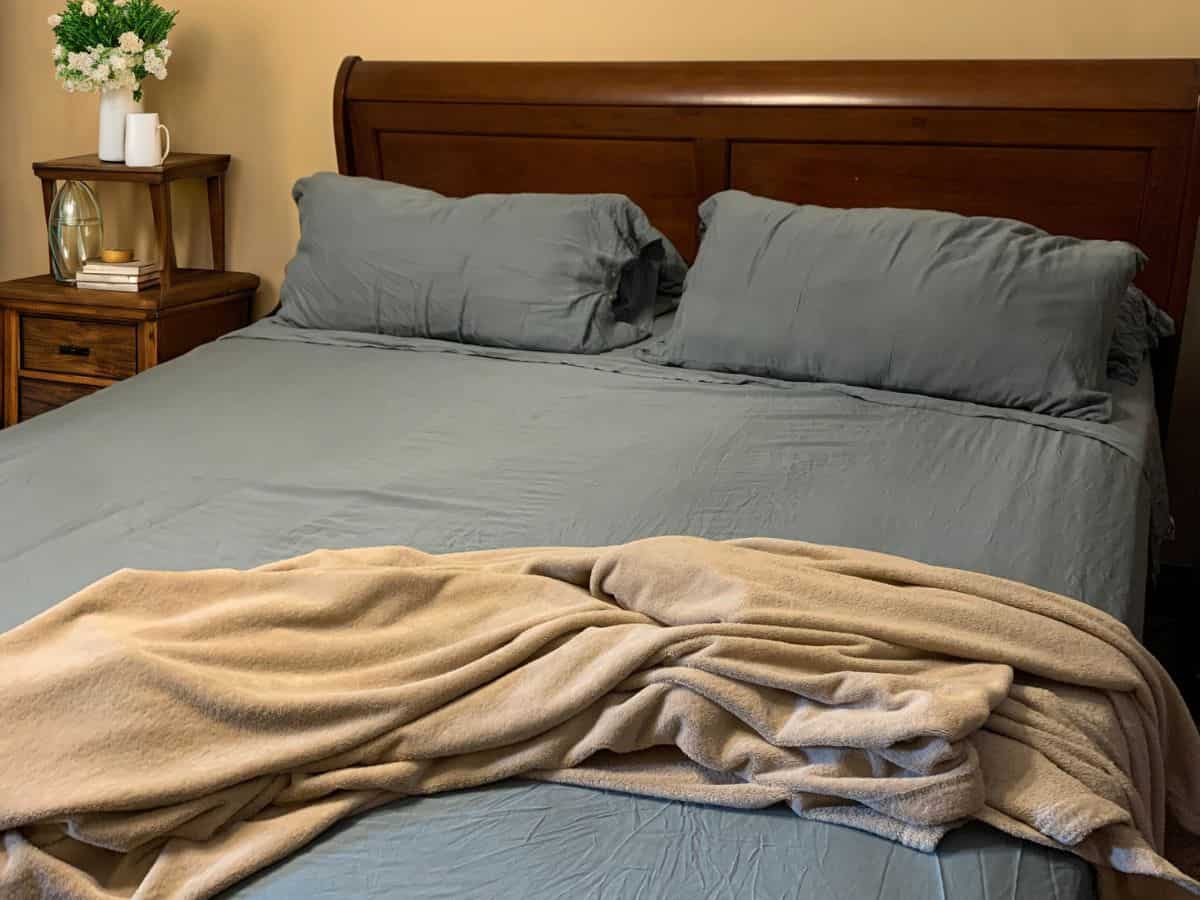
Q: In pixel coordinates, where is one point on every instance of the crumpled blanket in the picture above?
(166, 734)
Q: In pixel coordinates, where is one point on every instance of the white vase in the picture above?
(114, 107)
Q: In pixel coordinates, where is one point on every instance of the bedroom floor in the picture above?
(1173, 627)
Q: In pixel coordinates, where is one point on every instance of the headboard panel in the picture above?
(1104, 149)
(1057, 188)
(659, 174)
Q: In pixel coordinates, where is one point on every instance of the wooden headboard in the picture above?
(1098, 149)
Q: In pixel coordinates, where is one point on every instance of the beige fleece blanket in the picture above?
(167, 734)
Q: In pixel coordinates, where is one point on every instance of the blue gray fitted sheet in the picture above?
(278, 440)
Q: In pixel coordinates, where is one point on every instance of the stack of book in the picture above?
(129, 276)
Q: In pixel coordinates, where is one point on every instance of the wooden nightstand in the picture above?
(61, 343)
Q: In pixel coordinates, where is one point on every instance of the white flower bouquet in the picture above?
(107, 45)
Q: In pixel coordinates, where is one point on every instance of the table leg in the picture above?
(216, 219)
(48, 186)
(160, 201)
(10, 333)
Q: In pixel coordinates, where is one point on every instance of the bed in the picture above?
(277, 440)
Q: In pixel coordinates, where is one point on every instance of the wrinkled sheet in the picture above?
(518, 839)
(277, 441)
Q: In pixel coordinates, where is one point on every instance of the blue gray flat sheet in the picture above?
(277, 441)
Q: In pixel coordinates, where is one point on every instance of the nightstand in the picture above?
(61, 343)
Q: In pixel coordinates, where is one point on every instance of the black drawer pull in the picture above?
(73, 350)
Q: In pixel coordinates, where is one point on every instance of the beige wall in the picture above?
(253, 78)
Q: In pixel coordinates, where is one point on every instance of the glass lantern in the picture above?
(76, 230)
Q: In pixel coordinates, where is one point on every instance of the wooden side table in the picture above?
(209, 166)
(61, 343)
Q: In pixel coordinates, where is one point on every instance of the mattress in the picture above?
(277, 441)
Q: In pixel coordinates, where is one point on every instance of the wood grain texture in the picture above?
(216, 219)
(38, 396)
(58, 345)
(660, 176)
(42, 293)
(89, 167)
(49, 188)
(912, 125)
(198, 325)
(62, 378)
(340, 113)
(11, 334)
(995, 84)
(1053, 189)
(147, 345)
(78, 347)
(160, 205)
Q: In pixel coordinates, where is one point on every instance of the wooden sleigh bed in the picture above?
(281, 440)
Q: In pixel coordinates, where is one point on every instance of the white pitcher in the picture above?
(142, 144)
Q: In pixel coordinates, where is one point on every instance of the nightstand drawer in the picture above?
(37, 397)
(78, 347)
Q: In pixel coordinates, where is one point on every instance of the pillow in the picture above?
(1140, 326)
(573, 274)
(987, 310)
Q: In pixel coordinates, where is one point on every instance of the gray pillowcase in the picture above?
(1140, 326)
(992, 311)
(557, 272)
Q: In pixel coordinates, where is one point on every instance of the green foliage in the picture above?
(89, 56)
(148, 20)
(145, 18)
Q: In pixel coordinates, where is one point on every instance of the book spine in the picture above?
(100, 269)
(105, 286)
